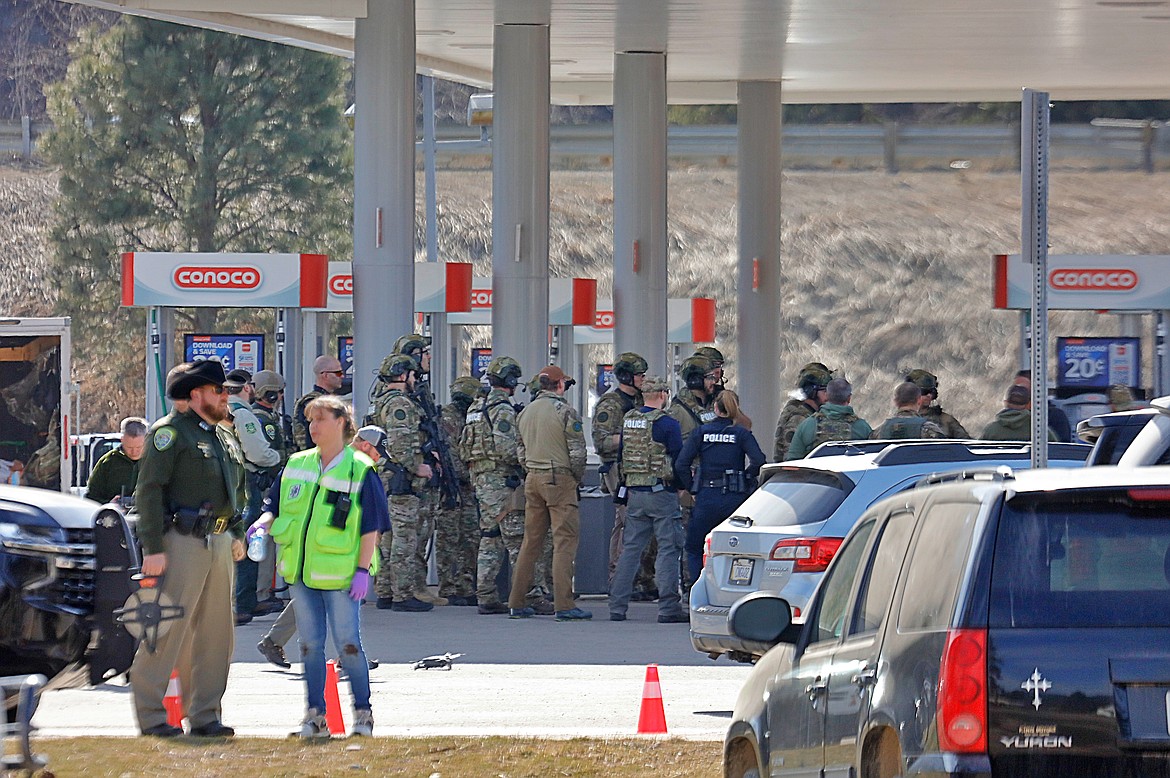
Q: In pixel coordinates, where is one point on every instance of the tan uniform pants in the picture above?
(199, 645)
(550, 504)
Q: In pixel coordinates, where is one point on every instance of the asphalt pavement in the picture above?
(532, 677)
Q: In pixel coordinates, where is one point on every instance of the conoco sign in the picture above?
(1093, 280)
(1088, 282)
(189, 280)
(217, 277)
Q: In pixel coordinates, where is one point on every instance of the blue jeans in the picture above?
(247, 571)
(316, 609)
(657, 514)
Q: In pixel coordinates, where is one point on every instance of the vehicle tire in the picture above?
(742, 762)
(883, 757)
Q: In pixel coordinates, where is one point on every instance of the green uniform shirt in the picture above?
(551, 436)
(114, 475)
(187, 462)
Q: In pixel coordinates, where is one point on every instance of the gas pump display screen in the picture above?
(1098, 362)
(244, 352)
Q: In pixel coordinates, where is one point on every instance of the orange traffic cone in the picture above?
(173, 701)
(652, 719)
(333, 717)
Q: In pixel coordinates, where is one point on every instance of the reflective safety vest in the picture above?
(315, 548)
(644, 460)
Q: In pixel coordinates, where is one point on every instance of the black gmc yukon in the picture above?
(982, 625)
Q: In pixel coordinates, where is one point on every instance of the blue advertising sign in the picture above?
(243, 352)
(480, 359)
(605, 379)
(345, 353)
(1098, 362)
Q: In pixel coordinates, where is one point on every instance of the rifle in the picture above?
(437, 446)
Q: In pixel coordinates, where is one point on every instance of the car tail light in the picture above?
(706, 549)
(962, 692)
(1149, 495)
(810, 555)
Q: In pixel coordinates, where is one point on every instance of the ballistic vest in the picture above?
(644, 460)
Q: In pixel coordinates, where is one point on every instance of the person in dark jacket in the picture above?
(1014, 422)
(115, 475)
(1059, 427)
(723, 480)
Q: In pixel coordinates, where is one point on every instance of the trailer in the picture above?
(37, 402)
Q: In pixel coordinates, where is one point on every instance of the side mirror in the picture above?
(763, 619)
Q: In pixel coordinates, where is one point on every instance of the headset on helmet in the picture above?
(395, 367)
(925, 380)
(505, 371)
(268, 386)
(627, 366)
(813, 376)
(693, 370)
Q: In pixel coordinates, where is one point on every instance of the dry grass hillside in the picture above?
(880, 273)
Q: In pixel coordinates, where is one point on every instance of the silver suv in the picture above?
(783, 536)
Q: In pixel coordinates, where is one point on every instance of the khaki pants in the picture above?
(550, 504)
(199, 645)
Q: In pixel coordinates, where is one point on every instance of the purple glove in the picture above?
(252, 530)
(360, 586)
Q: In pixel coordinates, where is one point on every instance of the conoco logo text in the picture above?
(1090, 280)
(217, 277)
(341, 285)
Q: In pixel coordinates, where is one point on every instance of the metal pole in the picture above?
(1034, 243)
(428, 84)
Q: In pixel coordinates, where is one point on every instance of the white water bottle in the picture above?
(258, 545)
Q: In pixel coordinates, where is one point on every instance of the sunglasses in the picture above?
(337, 373)
(213, 387)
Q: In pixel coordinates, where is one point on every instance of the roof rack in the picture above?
(919, 451)
(1000, 474)
(837, 448)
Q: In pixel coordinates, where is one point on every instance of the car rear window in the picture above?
(1103, 560)
(795, 496)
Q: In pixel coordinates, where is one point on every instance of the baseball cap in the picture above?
(653, 383)
(237, 378)
(554, 373)
(376, 437)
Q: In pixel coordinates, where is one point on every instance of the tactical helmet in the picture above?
(465, 389)
(627, 366)
(926, 381)
(267, 385)
(813, 376)
(411, 344)
(693, 369)
(396, 366)
(713, 354)
(505, 370)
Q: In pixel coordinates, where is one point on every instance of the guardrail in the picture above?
(1108, 144)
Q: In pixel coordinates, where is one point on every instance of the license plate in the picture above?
(741, 571)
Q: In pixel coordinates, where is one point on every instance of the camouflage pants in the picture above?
(398, 549)
(501, 525)
(457, 545)
(428, 514)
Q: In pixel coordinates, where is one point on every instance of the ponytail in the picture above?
(727, 404)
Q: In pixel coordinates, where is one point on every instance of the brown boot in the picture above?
(426, 596)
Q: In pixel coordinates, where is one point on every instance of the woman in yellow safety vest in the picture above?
(325, 513)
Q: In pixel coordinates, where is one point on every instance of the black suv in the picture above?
(984, 624)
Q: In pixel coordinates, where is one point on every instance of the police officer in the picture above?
(189, 497)
(834, 420)
(929, 408)
(692, 408)
(328, 379)
(804, 402)
(457, 528)
(723, 480)
(552, 450)
(268, 387)
(906, 424)
(261, 463)
(629, 369)
(489, 444)
(651, 439)
(405, 472)
(715, 356)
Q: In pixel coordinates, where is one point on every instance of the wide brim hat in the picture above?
(192, 375)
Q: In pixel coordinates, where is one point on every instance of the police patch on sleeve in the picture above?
(270, 430)
(400, 415)
(603, 417)
(164, 438)
(250, 428)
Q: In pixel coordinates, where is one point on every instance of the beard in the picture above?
(212, 411)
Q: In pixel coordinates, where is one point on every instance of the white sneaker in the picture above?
(363, 723)
(314, 725)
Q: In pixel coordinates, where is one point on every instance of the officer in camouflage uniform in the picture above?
(804, 402)
(415, 345)
(692, 408)
(929, 408)
(457, 529)
(906, 424)
(404, 473)
(629, 369)
(189, 496)
(489, 446)
(835, 420)
(328, 379)
(715, 356)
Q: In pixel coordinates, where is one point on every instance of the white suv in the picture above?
(785, 533)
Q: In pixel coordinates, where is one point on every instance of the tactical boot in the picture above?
(675, 618)
(413, 605)
(542, 607)
(426, 596)
(492, 608)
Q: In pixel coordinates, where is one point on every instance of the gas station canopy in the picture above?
(824, 51)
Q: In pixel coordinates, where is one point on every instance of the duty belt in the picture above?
(199, 523)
